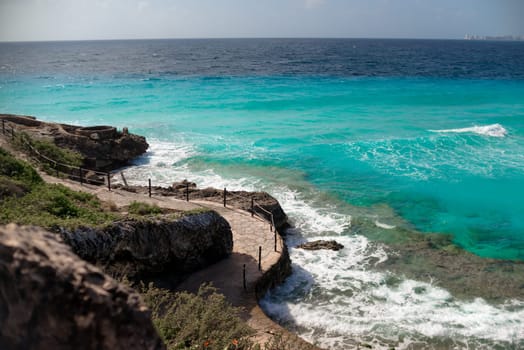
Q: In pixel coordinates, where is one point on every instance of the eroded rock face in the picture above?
(321, 244)
(51, 299)
(150, 246)
(103, 147)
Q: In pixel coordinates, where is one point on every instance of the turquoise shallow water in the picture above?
(447, 155)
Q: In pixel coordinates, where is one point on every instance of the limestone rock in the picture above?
(103, 147)
(51, 299)
(182, 185)
(321, 244)
(150, 246)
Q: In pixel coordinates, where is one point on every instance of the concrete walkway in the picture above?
(249, 233)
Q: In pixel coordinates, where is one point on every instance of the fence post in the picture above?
(225, 191)
(149, 187)
(187, 191)
(275, 240)
(259, 258)
(81, 176)
(252, 206)
(109, 181)
(244, 277)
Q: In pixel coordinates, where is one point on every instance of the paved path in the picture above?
(249, 233)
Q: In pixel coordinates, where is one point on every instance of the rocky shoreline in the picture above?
(135, 249)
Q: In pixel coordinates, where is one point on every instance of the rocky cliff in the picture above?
(103, 147)
(51, 299)
(151, 246)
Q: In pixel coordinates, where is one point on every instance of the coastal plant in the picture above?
(17, 170)
(141, 208)
(26, 200)
(197, 321)
(48, 149)
(51, 206)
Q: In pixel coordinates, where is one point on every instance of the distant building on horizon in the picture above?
(497, 38)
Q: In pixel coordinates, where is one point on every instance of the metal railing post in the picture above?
(109, 181)
(244, 277)
(275, 240)
(259, 258)
(252, 206)
(225, 195)
(149, 187)
(187, 191)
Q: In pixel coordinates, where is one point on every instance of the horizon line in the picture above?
(227, 38)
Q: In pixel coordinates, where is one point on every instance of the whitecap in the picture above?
(337, 300)
(493, 130)
(384, 226)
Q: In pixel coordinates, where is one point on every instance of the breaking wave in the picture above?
(493, 130)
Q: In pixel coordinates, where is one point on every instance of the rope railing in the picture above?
(231, 195)
(72, 172)
(80, 174)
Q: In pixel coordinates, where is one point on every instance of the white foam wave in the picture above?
(384, 226)
(308, 217)
(493, 130)
(164, 164)
(335, 299)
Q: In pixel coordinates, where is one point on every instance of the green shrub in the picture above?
(48, 149)
(17, 170)
(141, 208)
(202, 321)
(49, 206)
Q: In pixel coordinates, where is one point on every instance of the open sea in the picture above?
(395, 135)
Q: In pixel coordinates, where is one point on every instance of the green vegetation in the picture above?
(18, 171)
(189, 321)
(48, 149)
(25, 199)
(141, 208)
(201, 321)
(51, 206)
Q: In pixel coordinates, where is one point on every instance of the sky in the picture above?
(35, 20)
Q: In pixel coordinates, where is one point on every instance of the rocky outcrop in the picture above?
(141, 248)
(321, 244)
(51, 299)
(103, 147)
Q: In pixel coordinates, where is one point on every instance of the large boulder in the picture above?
(149, 246)
(51, 299)
(320, 245)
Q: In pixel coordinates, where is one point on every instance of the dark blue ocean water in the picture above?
(424, 135)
